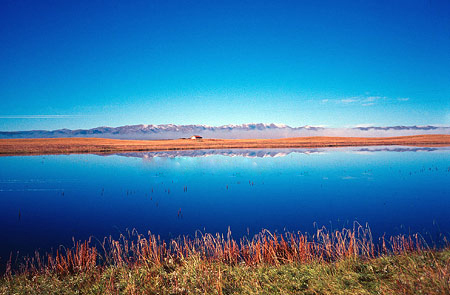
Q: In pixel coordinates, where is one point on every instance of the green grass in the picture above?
(419, 272)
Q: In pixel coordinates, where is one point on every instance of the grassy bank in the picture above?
(41, 146)
(423, 272)
(328, 262)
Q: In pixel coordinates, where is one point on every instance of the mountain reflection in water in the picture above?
(271, 153)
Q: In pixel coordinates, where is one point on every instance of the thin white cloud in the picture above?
(348, 100)
(364, 100)
(40, 116)
(373, 98)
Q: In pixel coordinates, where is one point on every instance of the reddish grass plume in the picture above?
(264, 248)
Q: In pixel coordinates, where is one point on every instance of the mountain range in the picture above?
(252, 130)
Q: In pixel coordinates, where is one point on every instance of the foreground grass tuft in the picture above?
(421, 272)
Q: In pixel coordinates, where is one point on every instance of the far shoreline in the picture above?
(79, 145)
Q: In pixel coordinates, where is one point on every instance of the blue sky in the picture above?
(83, 64)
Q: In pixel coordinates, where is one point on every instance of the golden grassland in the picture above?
(101, 145)
(329, 262)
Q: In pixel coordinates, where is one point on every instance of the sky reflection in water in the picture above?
(47, 200)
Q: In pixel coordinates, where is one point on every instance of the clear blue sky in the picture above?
(82, 64)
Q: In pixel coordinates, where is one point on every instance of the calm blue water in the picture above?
(47, 200)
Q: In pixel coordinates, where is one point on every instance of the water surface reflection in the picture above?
(47, 200)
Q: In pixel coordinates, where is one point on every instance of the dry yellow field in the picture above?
(100, 145)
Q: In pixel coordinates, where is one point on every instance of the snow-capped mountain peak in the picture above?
(248, 130)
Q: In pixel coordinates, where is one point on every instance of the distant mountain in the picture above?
(252, 130)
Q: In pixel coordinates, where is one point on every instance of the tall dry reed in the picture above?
(263, 248)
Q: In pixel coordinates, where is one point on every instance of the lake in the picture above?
(45, 201)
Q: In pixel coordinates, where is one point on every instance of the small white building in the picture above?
(196, 137)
